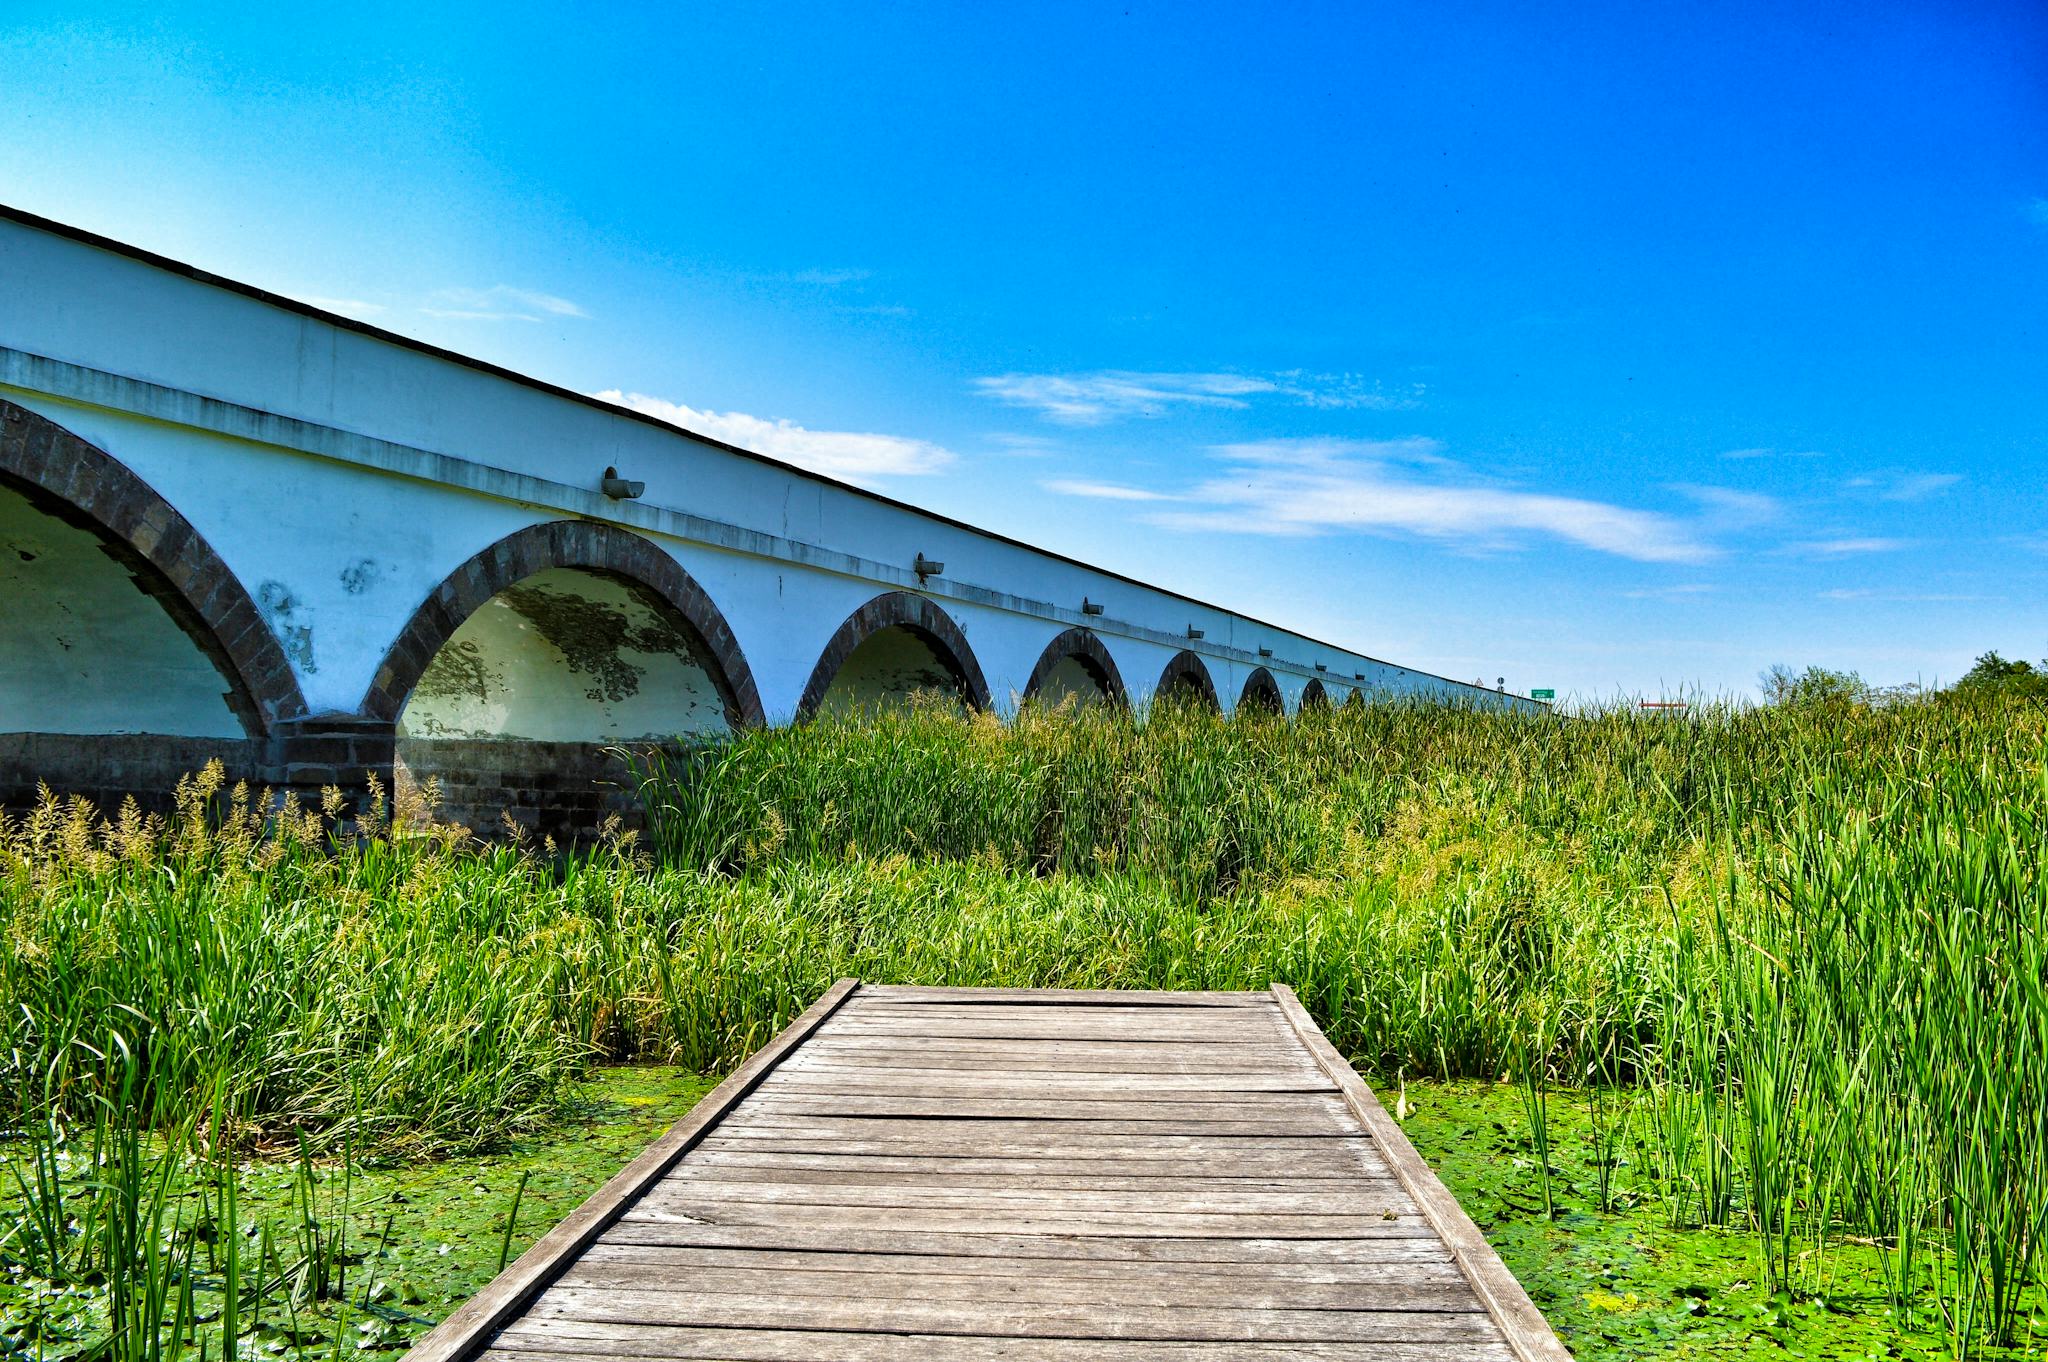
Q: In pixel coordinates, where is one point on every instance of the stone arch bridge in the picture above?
(233, 525)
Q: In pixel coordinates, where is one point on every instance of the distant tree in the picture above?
(1994, 675)
(1815, 686)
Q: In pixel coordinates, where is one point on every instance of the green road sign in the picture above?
(1545, 694)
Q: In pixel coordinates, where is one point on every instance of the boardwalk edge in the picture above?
(1527, 1332)
(471, 1327)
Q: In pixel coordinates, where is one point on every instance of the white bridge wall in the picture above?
(342, 475)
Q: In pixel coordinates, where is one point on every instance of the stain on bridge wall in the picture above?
(290, 620)
(566, 656)
(85, 649)
(512, 717)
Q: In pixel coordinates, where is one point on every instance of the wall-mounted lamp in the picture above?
(1194, 632)
(618, 489)
(927, 567)
(1322, 666)
(1358, 676)
(1089, 607)
(1265, 652)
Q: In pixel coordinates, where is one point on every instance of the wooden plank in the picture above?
(470, 1325)
(1396, 1286)
(575, 1341)
(1170, 1021)
(765, 1310)
(1366, 1263)
(1059, 997)
(1368, 1199)
(1069, 1060)
(1012, 1048)
(998, 1221)
(1411, 1235)
(879, 1124)
(1521, 1323)
(1311, 1165)
(1048, 1175)
(1176, 1031)
(948, 1083)
(1260, 1015)
(1071, 1140)
(1183, 1113)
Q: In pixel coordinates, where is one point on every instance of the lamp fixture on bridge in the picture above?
(1358, 676)
(1089, 607)
(927, 567)
(1322, 666)
(1194, 632)
(618, 489)
(1265, 652)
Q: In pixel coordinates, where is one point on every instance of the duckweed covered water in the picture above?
(418, 1237)
(1624, 1285)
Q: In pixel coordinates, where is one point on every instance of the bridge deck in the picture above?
(956, 1174)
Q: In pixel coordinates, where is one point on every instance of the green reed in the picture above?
(1814, 939)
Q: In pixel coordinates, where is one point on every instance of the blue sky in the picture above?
(1619, 348)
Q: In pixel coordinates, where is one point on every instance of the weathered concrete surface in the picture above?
(351, 540)
(106, 768)
(563, 790)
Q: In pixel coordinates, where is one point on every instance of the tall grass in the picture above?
(1811, 938)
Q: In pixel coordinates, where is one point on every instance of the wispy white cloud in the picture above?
(499, 303)
(1729, 508)
(1093, 399)
(1764, 452)
(1684, 591)
(1321, 486)
(1905, 486)
(1104, 491)
(1844, 548)
(858, 457)
(1024, 446)
(1874, 594)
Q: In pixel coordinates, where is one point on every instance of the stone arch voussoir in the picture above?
(922, 617)
(86, 486)
(586, 545)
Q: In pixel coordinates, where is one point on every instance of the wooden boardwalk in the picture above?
(1039, 1176)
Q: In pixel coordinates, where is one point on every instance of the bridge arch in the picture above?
(520, 671)
(896, 644)
(1313, 696)
(1187, 677)
(1076, 663)
(559, 552)
(1261, 693)
(106, 581)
